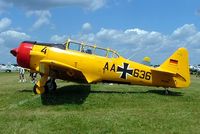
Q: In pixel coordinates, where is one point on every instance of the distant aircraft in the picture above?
(195, 70)
(8, 68)
(84, 63)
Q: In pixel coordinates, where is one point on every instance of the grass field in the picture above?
(99, 108)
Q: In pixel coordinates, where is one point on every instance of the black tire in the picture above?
(50, 86)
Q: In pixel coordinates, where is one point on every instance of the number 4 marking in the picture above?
(44, 50)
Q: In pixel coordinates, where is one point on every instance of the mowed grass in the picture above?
(97, 108)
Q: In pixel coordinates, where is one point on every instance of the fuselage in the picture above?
(99, 68)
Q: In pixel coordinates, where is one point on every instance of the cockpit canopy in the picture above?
(81, 47)
(91, 49)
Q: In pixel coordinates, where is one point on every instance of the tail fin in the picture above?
(178, 63)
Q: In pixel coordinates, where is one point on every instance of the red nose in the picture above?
(14, 51)
(23, 54)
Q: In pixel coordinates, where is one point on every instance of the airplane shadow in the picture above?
(159, 92)
(77, 94)
(25, 91)
(162, 92)
(72, 94)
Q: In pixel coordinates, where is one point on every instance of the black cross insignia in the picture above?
(124, 70)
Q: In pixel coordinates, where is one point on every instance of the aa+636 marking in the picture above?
(124, 70)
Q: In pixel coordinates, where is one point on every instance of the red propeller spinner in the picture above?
(22, 53)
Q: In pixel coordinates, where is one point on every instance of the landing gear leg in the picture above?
(39, 86)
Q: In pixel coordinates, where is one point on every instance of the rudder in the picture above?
(178, 63)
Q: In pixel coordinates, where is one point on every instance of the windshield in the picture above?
(89, 49)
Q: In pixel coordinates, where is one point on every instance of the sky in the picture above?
(134, 28)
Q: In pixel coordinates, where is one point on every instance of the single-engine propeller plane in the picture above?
(79, 62)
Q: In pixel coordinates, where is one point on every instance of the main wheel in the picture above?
(50, 86)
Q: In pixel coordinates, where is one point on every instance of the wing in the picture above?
(62, 71)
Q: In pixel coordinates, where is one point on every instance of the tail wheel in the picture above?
(50, 86)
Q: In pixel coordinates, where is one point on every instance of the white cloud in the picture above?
(40, 8)
(90, 37)
(131, 37)
(11, 34)
(58, 39)
(134, 42)
(10, 39)
(47, 4)
(138, 43)
(86, 27)
(96, 4)
(43, 17)
(185, 31)
(193, 41)
(4, 23)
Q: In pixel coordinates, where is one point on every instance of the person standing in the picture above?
(21, 75)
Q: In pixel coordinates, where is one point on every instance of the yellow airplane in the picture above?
(84, 63)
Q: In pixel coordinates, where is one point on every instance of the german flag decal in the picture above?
(172, 61)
